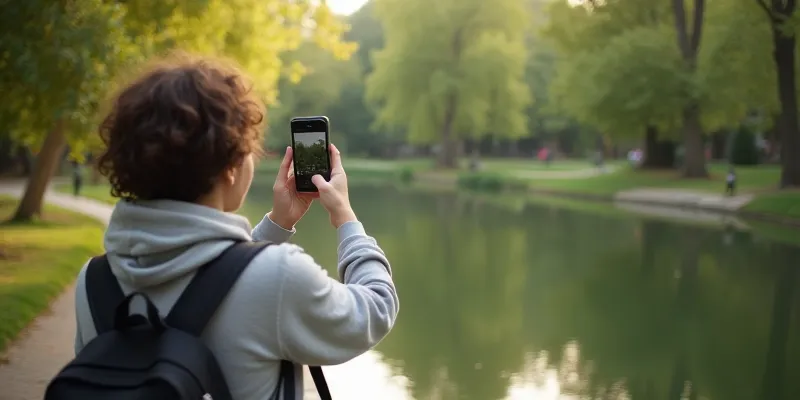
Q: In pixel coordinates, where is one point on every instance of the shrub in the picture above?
(406, 175)
(489, 183)
(743, 148)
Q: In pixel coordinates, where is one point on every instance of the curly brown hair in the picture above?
(172, 132)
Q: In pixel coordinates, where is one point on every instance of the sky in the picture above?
(345, 7)
(308, 138)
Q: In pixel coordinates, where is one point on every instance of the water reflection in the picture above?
(504, 301)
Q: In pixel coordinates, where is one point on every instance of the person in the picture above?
(598, 161)
(77, 178)
(180, 143)
(730, 187)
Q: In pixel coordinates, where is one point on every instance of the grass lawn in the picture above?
(529, 164)
(38, 259)
(100, 192)
(750, 179)
(783, 203)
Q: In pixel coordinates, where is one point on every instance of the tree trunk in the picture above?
(448, 154)
(694, 160)
(784, 55)
(43, 169)
(657, 153)
(694, 157)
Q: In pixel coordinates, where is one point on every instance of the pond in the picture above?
(540, 302)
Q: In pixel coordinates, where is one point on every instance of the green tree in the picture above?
(451, 69)
(620, 70)
(319, 89)
(353, 115)
(57, 61)
(782, 21)
(617, 40)
(311, 159)
(60, 58)
(689, 34)
(743, 149)
(546, 122)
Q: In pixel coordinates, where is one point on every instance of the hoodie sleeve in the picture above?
(324, 322)
(266, 230)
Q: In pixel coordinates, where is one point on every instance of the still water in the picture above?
(542, 303)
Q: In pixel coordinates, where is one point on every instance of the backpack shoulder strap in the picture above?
(103, 292)
(199, 301)
(320, 383)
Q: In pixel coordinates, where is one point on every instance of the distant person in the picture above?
(633, 157)
(730, 180)
(181, 144)
(542, 155)
(77, 178)
(599, 162)
(474, 163)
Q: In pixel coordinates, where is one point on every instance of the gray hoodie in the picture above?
(284, 306)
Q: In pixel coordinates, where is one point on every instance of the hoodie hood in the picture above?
(152, 242)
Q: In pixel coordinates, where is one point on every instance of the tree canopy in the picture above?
(620, 69)
(458, 73)
(61, 59)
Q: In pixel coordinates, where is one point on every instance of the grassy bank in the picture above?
(784, 204)
(749, 179)
(760, 181)
(37, 260)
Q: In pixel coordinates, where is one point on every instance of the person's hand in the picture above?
(288, 205)
(333, 194)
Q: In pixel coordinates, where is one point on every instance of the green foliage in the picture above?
(619, 69)
(324, 79)
(462, 58)
(58, 60)
(61, 59)
(736, 73)
(310, 159)
(335, 88)
(743, 148)
(406, 175)
(634, 80)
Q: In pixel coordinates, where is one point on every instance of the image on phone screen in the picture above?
(310, 158)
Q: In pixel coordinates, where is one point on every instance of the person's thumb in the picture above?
(322, 185)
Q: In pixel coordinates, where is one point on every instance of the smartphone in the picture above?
(310, 150)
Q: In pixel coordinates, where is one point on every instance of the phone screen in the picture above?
(311, 157)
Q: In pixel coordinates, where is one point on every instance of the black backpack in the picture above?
(136, 357)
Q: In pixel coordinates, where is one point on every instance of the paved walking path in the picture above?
(685, 198)
(687, 215)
